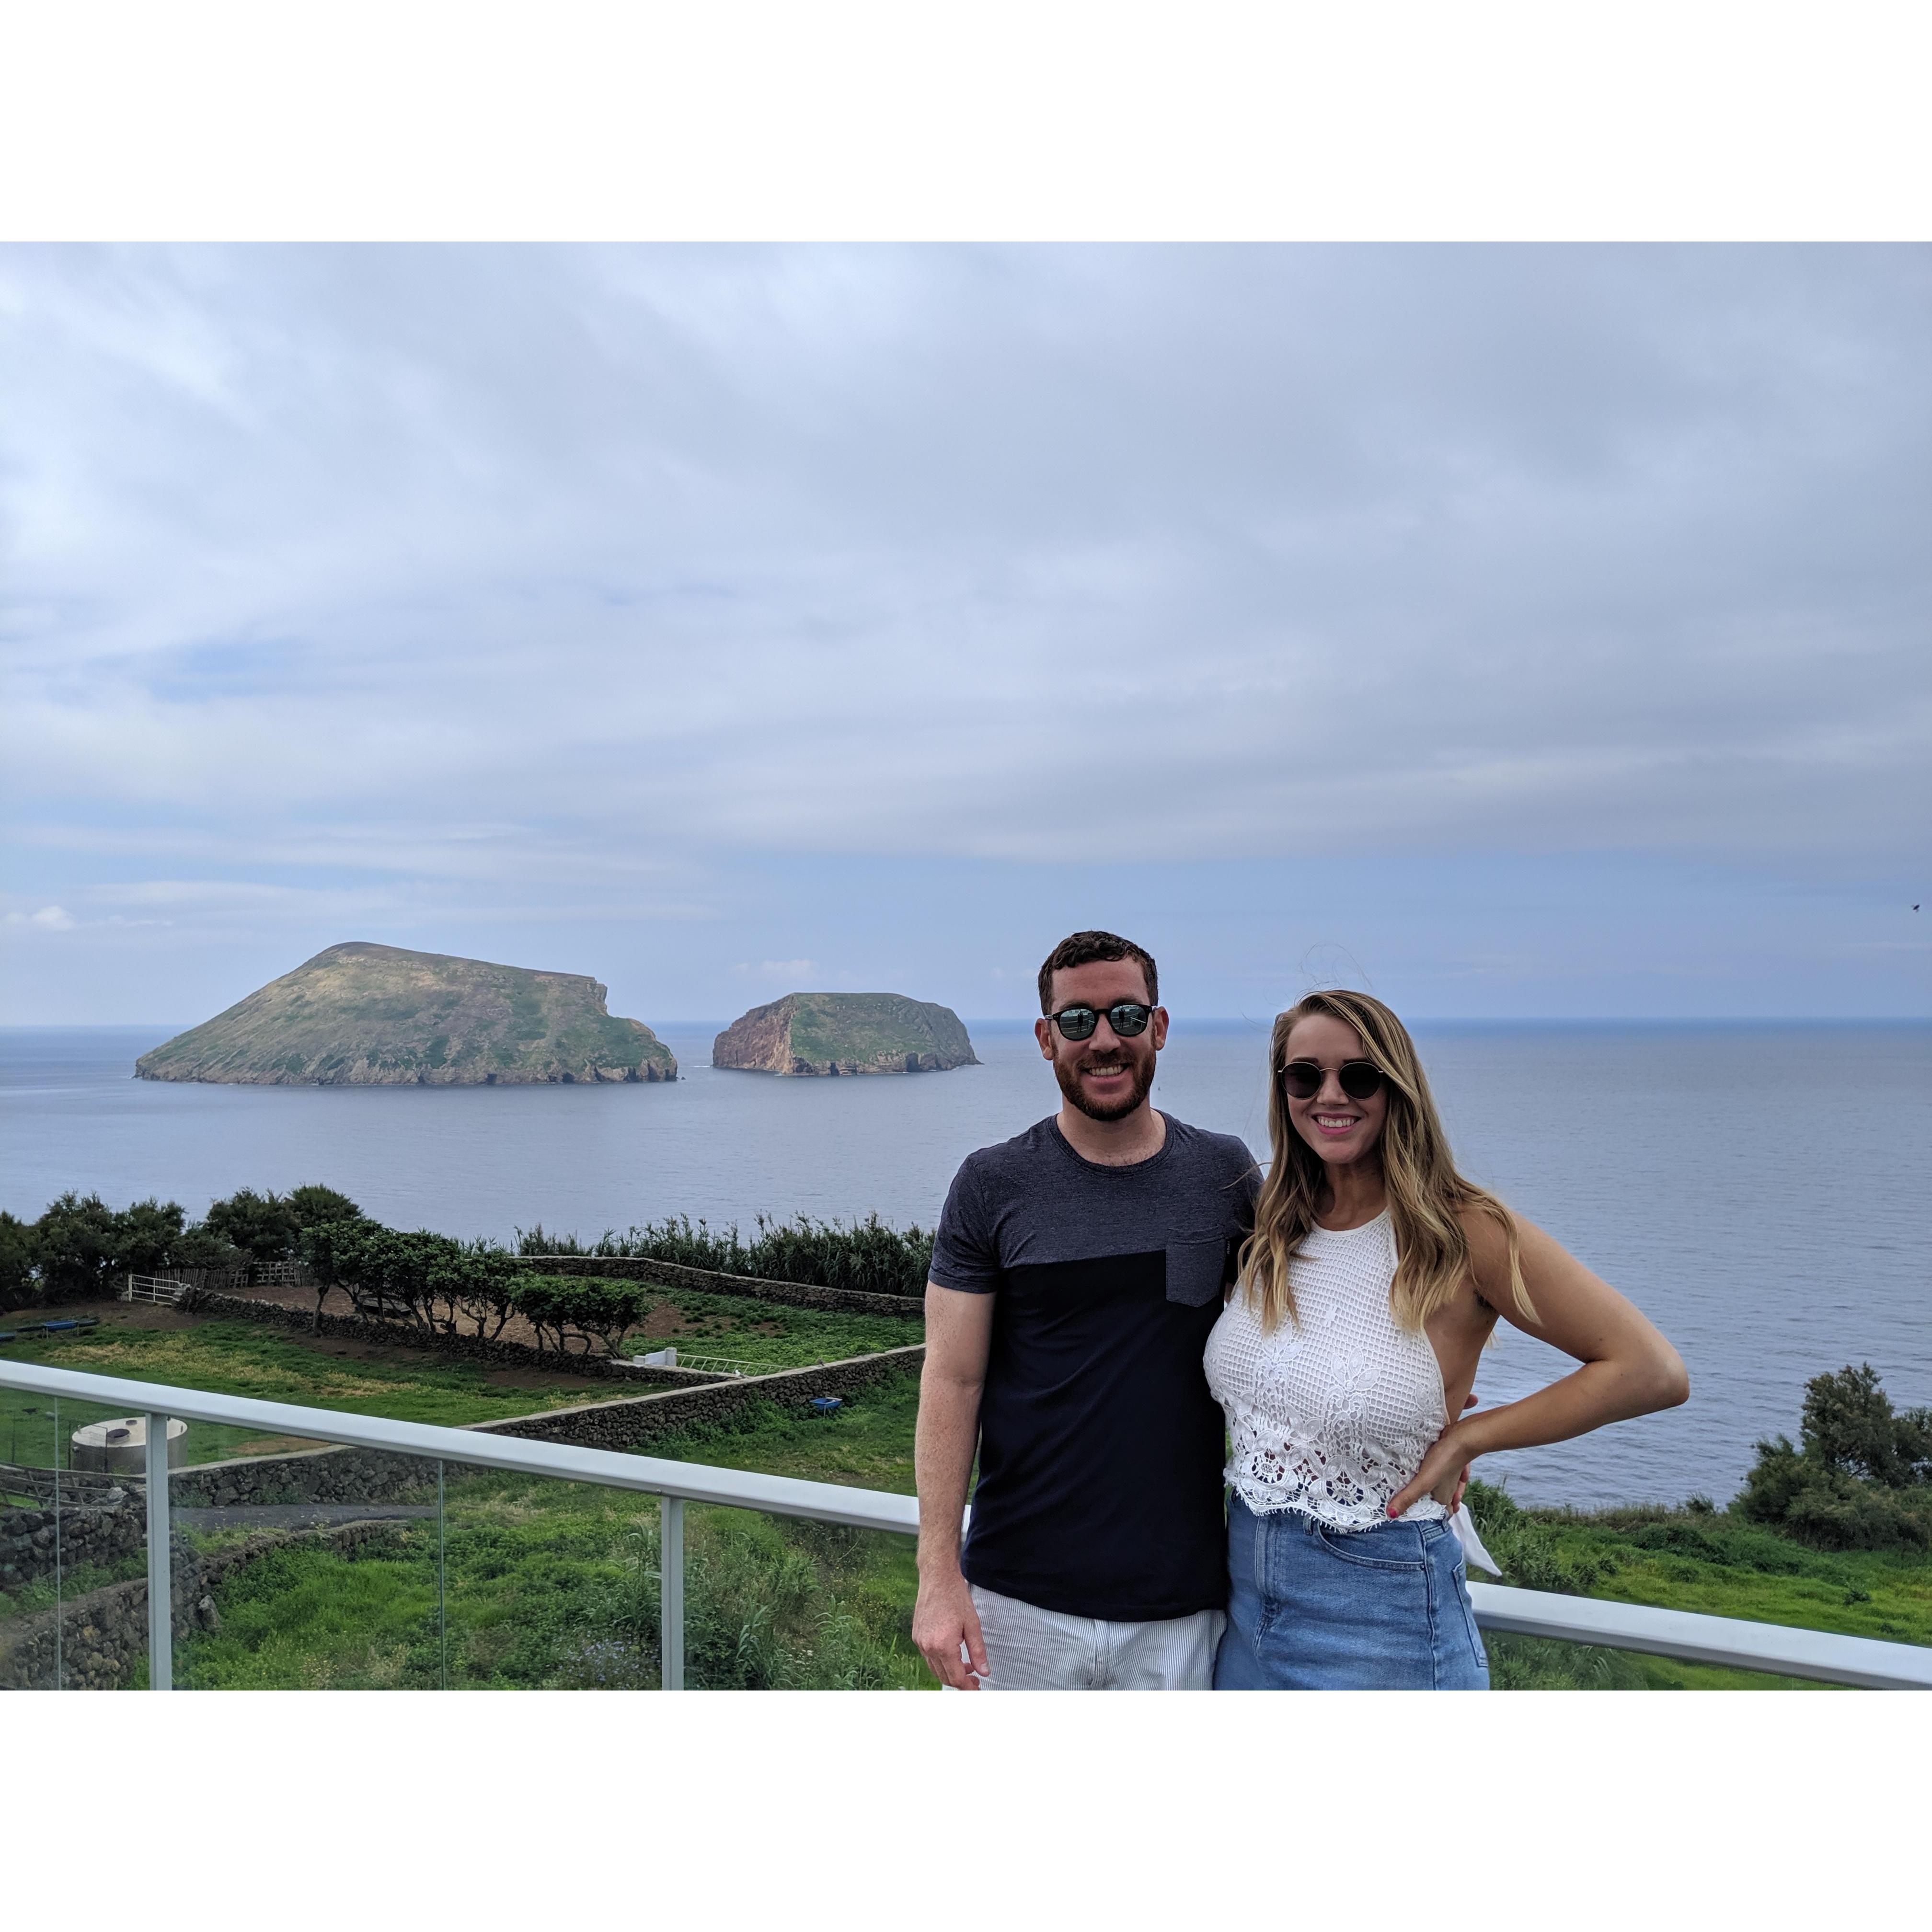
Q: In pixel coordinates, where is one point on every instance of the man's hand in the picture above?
(943, 1619)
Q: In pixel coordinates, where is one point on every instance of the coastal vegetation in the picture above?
(79, 1247)
(867, 1255)
(362, 1014)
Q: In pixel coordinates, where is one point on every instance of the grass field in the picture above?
(554, 1585)
(275, 1364)
(766, 1333)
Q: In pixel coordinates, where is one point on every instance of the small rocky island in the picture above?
(365, 1016)
(845, 1033)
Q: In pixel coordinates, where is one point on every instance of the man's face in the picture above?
(1105, 1076)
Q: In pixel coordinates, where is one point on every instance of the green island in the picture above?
(363, 1014)
(845, 1034)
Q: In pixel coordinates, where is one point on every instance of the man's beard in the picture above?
(1118, 1110)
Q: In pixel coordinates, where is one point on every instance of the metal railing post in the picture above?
(160, 1577)
(670, 1589)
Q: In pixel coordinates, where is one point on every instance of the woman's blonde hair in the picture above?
(1426, 1195)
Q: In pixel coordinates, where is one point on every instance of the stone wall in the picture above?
(647, 1419)
(671, 1274)
(103, 1635)
(100, 1534)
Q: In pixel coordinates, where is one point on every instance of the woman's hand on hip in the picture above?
(1442, 1474)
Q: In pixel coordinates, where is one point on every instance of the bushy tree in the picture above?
(312, 1206)
(477, 1283)
(331, 1251)
(1849, 1423)
(263, 1226)
(17, 1281)
(562, 1309)
(1861, 1478)
(199, 1246)
(146, 1236)
(74, 1242)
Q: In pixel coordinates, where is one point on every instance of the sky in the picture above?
(1517, 631)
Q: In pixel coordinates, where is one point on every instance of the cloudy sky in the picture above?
(1517, 631)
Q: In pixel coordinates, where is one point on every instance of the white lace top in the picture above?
(1334, 1412)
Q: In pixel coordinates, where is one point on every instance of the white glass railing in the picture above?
(433, 1509)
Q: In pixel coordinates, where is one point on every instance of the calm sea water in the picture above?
(1760, 1191)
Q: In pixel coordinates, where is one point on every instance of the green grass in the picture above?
(247, 1359)
(554, 1585)
(768, 1334)
(1708, 1561)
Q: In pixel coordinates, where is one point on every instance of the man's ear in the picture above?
(1043, 1031)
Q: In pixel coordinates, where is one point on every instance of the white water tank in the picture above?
(121, 1444)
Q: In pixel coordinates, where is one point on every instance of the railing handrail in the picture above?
(1822, 1655)
(615, 1468)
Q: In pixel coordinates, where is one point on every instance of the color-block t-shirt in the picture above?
(1099, 1490)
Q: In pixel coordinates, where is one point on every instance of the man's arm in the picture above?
(958, 1333)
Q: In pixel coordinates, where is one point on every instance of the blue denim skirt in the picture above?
(1311, 1608)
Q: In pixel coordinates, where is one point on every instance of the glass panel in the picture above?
(307, 1567)
(74, 1546)
(785, 1604)
(549, 1584)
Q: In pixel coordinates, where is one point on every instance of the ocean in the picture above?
(1761, 1191)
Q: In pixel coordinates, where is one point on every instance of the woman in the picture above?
(1374, 1276)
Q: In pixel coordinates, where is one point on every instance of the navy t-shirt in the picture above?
(1099, 1490)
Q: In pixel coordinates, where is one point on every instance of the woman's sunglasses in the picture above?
(1126, 1019)
(1360, 1079)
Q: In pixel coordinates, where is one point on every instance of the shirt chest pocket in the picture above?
(1197, 1271)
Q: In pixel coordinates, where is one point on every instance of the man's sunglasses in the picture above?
(1360, 1079)
(1127, 1018)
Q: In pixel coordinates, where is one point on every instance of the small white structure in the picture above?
(121, 1444)
(659, 1358)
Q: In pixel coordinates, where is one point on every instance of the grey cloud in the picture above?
(647, 552)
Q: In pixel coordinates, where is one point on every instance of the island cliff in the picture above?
(845, 1033)
(359, 1015)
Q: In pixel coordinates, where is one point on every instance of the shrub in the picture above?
(561, 1310)
(1529, 1549)
(146, 1236)
(17, 1262)
(1861, 1478)
(868, 1255)
(263, 1226)
(312, 1206)
(74, 1243)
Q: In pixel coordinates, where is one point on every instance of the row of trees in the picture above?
(79, 1247)
(442, 1287)
(1860, 1476)
(869, 1255)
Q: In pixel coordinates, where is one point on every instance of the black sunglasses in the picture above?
(1360, 1079)
(1127, 1018)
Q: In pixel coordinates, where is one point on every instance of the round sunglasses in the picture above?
(1127, 1018)
(1360, 1079)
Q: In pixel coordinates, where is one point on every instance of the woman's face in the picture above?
(1339, 1130)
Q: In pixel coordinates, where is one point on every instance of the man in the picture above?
(1077, 1271)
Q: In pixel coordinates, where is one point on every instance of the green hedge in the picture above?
(868, 1255)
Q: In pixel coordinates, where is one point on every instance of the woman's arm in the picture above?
(1628, 1369)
